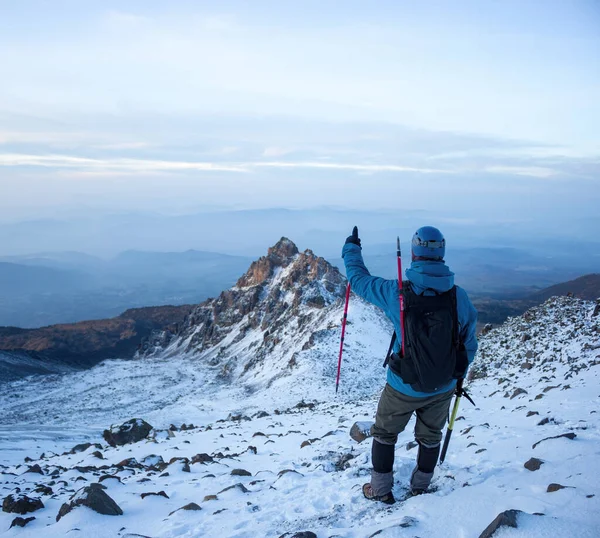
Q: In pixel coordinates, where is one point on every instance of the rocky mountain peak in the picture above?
(281, 298)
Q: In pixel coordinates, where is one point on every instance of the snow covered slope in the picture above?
(284, 438)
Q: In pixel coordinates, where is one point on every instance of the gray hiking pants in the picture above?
(393, 413)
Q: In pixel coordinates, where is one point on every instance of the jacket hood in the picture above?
(431, 275)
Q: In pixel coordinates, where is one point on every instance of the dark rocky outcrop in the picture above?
(94, 497)
(21, 504)
(132, 431)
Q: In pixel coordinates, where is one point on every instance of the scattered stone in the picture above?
(309, 442)
(94, 497)
(261, 414)
(544, 421)
(550, 387)
(163, 475)
(533, 464)
(189, 506)
(83, 447)
(158, 493)
(238, 486)
(210, 498)
(186, 467)
(302, 534)
(508, 518)
(43, 489)
(526, 365)
(480, 450)
(252, 449)
(555, 487)
(130, 462)
(569, 435)
(539, 397)
(132, 431)
(343, 461)
(525, 337)
(98, 455)
(109, 476)
(518, 392)
(531, 413)
(202, 458)
(152, 460)
(21, 504)
(20, 522)
(240, 472)
(411, 444)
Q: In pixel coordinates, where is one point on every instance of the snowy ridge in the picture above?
(275, 463)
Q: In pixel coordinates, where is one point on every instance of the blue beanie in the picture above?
(429, 243)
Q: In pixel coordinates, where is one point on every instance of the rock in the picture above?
(411, 444)
(152, 460)
(526, 365)
(518, 392)
(239, 487)
(83, 447)
(210, 498)
(189, 506)
(550, 387)
(261, 414)
(525, 337)
(108, 477)
(569, 435)
(98, 455)
(302, 534)
(20, 522)
(21, 504)
(555, 487)
(539, 396)
(533, 464)
(240, 472)
(202, 458)
(186, 467)
(130, 462)
(508, 518)
(43, 489)
(94, 497)
(158, 494)
(544, 421)
(132, 431)
(343, 461)
(531, 413)
(486, 329)
(360, 431)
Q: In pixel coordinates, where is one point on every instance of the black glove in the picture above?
(354, 237)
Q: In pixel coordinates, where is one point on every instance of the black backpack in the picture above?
(434, 354)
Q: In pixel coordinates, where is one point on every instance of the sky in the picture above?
(486, 108)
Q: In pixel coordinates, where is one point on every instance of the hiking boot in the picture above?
(419, 481)
(388, 498)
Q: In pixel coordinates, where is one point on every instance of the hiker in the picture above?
(437, 353)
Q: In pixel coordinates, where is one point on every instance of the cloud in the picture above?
(531, 171)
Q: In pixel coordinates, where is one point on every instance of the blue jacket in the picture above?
(424, 277)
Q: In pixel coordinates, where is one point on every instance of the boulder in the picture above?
(94, 497)
(21, 504)
(132, 431)
(202, 458)
(555, 487)
(158, 494)
(240, 472)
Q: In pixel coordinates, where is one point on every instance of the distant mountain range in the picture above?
(83, 344)
(67, 287)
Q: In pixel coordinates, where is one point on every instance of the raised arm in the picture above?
(378, 291)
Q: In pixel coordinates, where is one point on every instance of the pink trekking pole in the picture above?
(337, 381)
(401, 295)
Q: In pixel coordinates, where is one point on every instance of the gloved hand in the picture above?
(354, 237)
